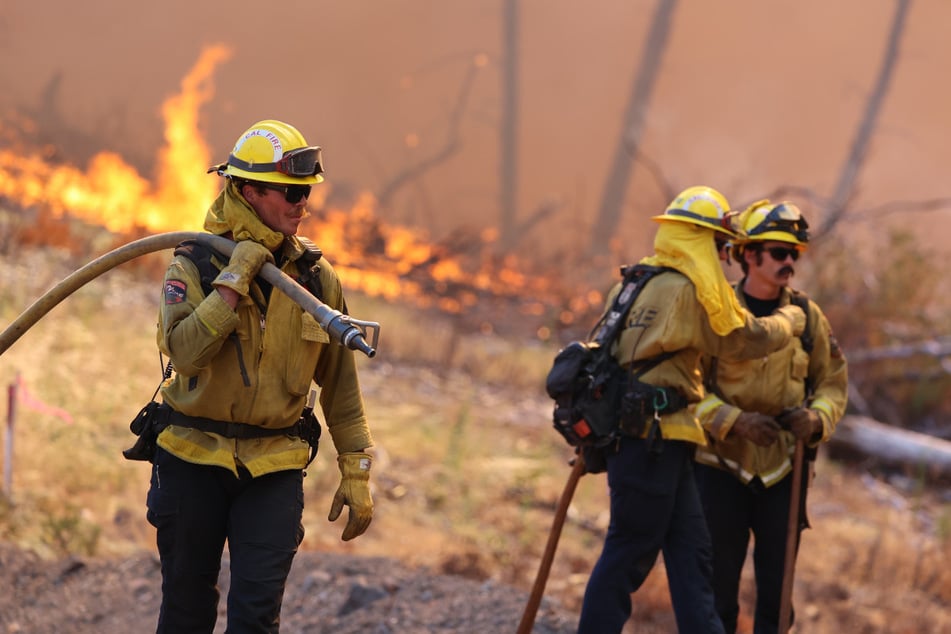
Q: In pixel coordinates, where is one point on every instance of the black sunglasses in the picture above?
(292, 193)
(781, 253)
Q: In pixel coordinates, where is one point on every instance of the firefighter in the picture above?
(755, 412)
(230, 464)
(654, 504)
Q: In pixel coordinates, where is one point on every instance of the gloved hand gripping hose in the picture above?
(349, 332)
(246, 261)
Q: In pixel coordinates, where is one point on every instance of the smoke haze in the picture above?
(751, 95)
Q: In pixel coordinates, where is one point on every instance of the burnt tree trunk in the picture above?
(615, 188)
(508, 128)
(845, 187)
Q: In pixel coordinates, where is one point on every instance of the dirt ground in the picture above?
(345, 593)
(327, 592)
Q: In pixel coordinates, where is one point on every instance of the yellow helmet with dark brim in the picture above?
(783, 222)
(702, 206)
(273, 152)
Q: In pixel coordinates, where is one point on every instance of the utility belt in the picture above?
(238, 431)
(155, 417)
(643, 404)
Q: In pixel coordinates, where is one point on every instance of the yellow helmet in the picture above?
(702, 206)
(783, 222)
(273, 152)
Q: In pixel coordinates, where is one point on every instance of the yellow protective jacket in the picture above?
(254, 364)
(769, 385)
(668, 317)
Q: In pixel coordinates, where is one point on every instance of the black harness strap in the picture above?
(610, 326)
(307, 265)
(663, 399)
(309, 269)
(200, 256)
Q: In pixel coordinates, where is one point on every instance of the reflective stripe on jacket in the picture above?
(769, 385)
(666, 317)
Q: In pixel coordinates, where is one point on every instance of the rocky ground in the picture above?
(327, 592)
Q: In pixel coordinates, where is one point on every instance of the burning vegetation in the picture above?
(463, 275)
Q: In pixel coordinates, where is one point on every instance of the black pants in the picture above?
(734, 510)
(195, 508)
(654, 507)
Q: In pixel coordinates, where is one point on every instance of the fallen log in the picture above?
(891, 446)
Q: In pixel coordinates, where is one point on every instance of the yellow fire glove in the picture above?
(246, 260)
(354, 491)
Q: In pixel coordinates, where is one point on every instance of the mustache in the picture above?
(787, 270)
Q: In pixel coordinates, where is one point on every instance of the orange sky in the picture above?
(752, 94)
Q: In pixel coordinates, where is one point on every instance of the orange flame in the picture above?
(391, 262)
(111, 192)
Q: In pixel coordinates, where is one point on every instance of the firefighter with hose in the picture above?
(236, 430)
(761, 416)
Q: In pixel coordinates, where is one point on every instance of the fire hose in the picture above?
(349, 332)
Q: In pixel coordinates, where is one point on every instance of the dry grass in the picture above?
(467, 475)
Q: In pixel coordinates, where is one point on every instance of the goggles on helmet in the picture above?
(299, 163)
(785, 218)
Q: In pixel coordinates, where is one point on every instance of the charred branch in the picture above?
(450, 147)
(541, 212)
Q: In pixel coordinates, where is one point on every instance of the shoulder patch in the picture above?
(175, 291)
